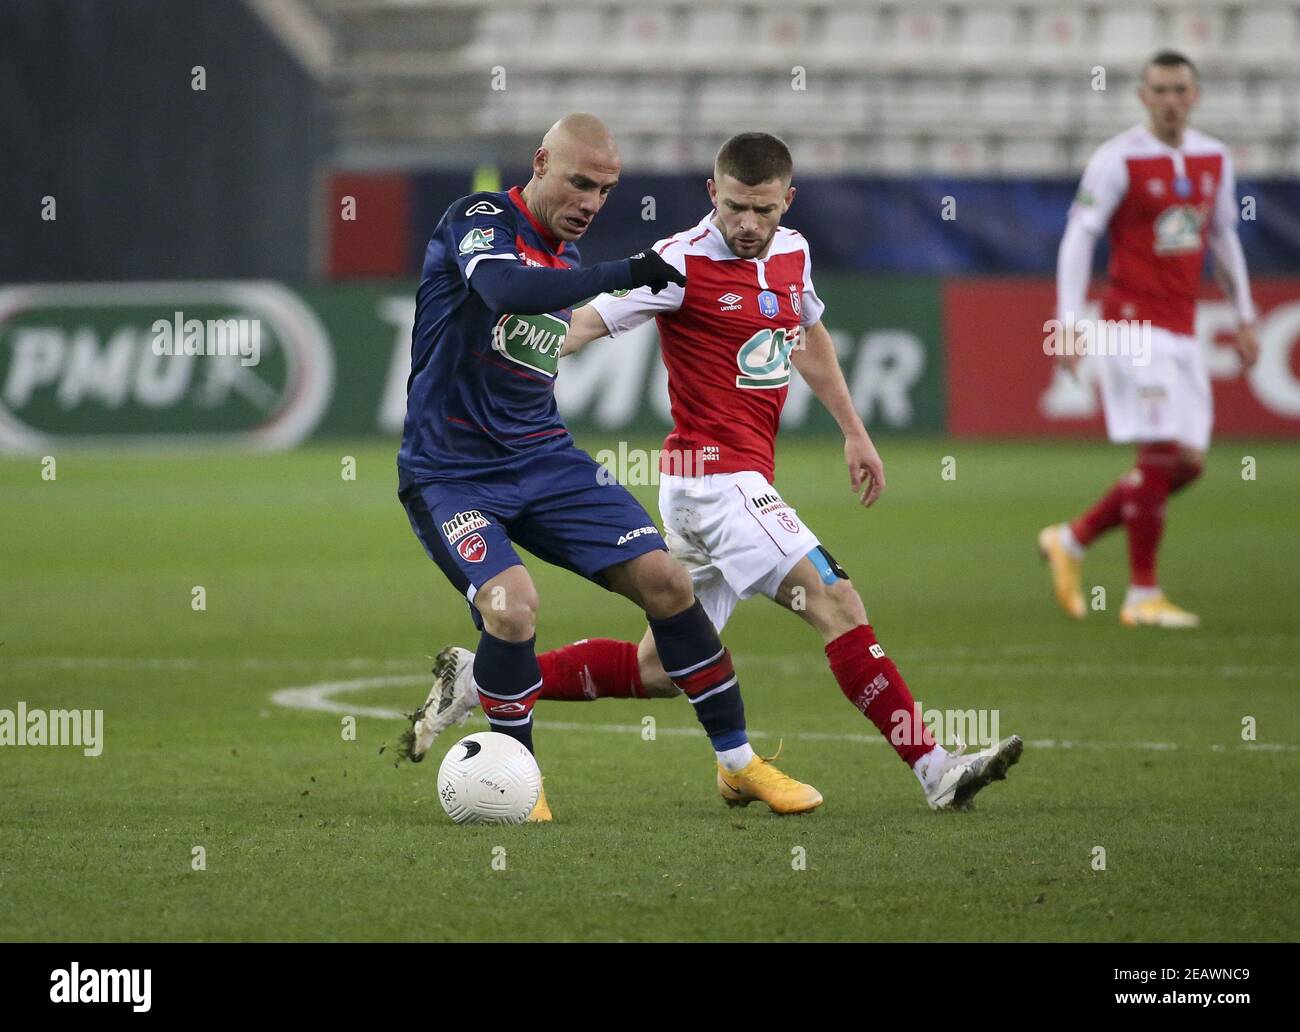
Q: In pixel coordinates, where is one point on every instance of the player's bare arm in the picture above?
(818, 364)
(586, 326)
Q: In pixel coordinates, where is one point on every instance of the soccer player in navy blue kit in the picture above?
(487, 463)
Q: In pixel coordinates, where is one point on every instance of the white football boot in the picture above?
(451, 700)
(954, 779)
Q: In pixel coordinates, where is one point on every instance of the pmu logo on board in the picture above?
(79, 363)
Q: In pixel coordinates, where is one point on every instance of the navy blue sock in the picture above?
(508, 681)
(696, 662)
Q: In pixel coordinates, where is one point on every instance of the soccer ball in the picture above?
(488, 778)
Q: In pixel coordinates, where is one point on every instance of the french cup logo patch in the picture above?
(768, 304)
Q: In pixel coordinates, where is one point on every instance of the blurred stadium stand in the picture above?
(884, 80)
(393, 99)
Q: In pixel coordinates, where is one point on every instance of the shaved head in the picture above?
(581, 132)
(574, 170)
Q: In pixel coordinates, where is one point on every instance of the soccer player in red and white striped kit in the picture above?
(1164, 191)
(729, 337)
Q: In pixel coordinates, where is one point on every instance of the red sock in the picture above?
(1107, 513)
(873, 684)
(1184, 473)
(594, 668)
(1144, 509)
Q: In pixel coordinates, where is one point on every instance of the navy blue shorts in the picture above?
(563, 507)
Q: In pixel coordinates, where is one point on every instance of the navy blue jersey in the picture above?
(481, 395)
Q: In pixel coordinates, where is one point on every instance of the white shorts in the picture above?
(1166, 399)
(734, 533)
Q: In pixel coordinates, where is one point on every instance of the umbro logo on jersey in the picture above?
(730, 302)
(482, 208)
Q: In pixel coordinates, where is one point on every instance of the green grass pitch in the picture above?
(1134, 737)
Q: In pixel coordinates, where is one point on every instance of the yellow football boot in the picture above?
(1067, 571)
(1157, 612)
(759, 779)
(541, 813)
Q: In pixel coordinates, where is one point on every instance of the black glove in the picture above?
(649, 270)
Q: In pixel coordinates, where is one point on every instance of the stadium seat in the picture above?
(990, 36)
(1266, 35)
(640, 34)
(952, 155)
(921, 38)
(1043, 156)
(854, 37)
(1223, 107)
(725, 101)
(1198, 32)
(1125, 36)
(1055, 37)
(654, 101)
(711, 31)
(782, 34)
(500, 33)
(1024, 103)
(886, 155)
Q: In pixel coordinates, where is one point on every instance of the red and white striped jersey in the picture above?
(1159, 203)
(726, 339)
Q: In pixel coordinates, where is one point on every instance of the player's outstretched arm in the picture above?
(587, 325)
(818, 364)
(509, 286)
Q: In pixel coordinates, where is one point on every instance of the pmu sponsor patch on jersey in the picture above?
(1178, 230)
(768, 304)
(531, 340)
(639, 532)
(477, 240)
(463, 523)
(473, 549)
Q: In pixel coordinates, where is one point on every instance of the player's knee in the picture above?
(510, 616)
(665, 586)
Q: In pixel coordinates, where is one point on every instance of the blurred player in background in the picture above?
(747, 312)
(1163, 191)
(486, 462)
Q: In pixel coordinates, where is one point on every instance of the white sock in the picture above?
(1070, 542)
(923, 766)
(733, 760)
(1135, 595)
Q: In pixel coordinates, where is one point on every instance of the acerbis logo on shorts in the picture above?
(639, 532)
(473, 549)
(462, 523)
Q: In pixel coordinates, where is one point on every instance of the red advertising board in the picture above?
(1001, 383)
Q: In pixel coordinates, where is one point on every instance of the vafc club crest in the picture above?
(796, 302)
(768, 304)
(473, 549)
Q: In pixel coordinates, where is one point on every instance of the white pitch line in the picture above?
(320, 698)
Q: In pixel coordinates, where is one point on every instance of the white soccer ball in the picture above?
(488, 778)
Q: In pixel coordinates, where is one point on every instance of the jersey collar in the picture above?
(548, 239)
